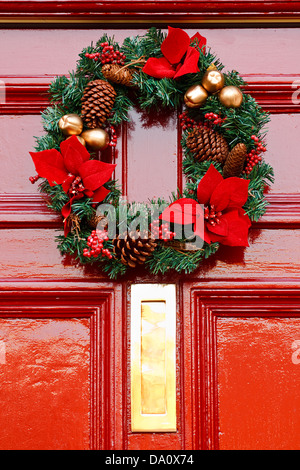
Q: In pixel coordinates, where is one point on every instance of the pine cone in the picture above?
(118, 74)
(235, 161)
(133, 249)
(207, 144)
(97, 101)
(98, 219)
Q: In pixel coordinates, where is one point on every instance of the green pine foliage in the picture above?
(151, 94)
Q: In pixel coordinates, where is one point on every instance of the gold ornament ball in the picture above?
(195, 96)
(71, 124)
(231, 97)
(213, 81)
(81, 140)
(96, 139)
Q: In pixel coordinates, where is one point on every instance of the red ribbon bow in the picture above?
(225, 221)
(75, 171)
(179, 57)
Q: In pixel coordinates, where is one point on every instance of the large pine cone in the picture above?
(118, 74)
(133, 249)
(97, 101)
(207, 144)
(235, 161)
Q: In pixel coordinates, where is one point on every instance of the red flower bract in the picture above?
(75, 171)
(225, 221)
(179, 57)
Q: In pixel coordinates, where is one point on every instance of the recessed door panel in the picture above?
(44, 375)
(258, 383)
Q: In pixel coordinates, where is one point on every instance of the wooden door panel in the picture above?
(44, 383)
(258, 382)
(243, 352)
(33, 254)
(56, 372)
(237, 48)
(64, 328)
(17, 139)
(151, 154)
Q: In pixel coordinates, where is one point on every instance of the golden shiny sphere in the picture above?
(231, 96)
(96, 139)
(195, 96)
(213, 81)
(81, 140)
(71, 124)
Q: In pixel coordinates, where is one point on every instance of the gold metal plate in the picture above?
(153, 357)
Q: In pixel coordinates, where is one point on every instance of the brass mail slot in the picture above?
(153, 357)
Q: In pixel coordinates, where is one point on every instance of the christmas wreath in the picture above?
(223, 141)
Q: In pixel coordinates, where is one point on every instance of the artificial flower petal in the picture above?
(200, 40)
(238, 228)
(67, 183)
(94, 173)
(175, 45)
(210, 180)
(183, 211)
(219, 229)
(74, 153)
(100, 194)
(159, 68)
(49, 164)
(190, 64)
(231, 192)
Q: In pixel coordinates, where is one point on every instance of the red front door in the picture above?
(65, 332)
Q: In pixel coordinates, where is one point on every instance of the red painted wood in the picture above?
(59, 381)
(44, 384)
(151, 10)
(240, 349)
(273, 93)
(258, 378)
(238, 293)
(32, 254)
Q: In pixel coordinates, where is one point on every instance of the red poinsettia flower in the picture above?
(225, 221)
(75, 171)
(179, 57)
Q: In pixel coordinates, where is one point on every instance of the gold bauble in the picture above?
(71, 124)
(231, 96)
(213, 81)
(81, 139)
(96, 139)
(195, 96)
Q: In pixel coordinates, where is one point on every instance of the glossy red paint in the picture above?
(45, 371)
(243, 378)
(64, 329)
(28, 95)
(258, 375)
(162, 10)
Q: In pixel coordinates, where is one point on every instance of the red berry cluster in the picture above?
(162, 231)
(253, 157)
(95, 244)
(108, 55)
(215, 118)
(113, 137)
(33, 179)
(211, 215)
(186, 122)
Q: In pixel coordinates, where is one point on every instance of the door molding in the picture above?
(231, 13)
(203, 304)
(103, 307)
